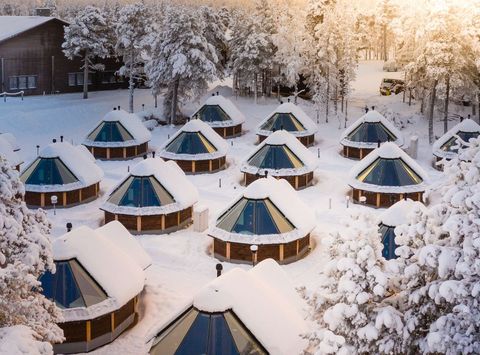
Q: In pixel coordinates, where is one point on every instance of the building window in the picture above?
(76, 79)
(109, 77)
(22, 82)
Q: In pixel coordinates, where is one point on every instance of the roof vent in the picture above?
(54, 140)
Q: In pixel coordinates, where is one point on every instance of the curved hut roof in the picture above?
(196, 140)
(219, 111)
(86, 283)
(369, 129)
(152, 187)
(289, 117)
(280, 154)
(118, 129)
(61, 167)
(257, 309)
(388, 169)
(447, 145)
(268, 211)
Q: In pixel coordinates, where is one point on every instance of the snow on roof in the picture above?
(77, 159)
(171, 177)
(198, 126)
(10, 138)
(467, 125)
(119, 235)
(288, 202)
(283, 137)
(264, 299)
(7, 151)
(371, 116)
(300, 115)
(11, 26)
(388, 150)
(132, 124)
(104, 259)
(399, 212)
(227, 106)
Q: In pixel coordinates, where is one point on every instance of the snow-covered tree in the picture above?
(86, 37)
(349, 305)
(132, 27)
(215, 34)
(440, 260)
(25, 254)
(181, 58)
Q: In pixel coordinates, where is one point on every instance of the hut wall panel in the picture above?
(129, 222)
(186, 214)
(73, 196)
(74, 331)
(238, 129)
(387, 200)
(261, 138)
(151, 223)
(101, 325)
(171, 220)
(230, 131)
(352, 152)
(302, 180)
(240, 252)
(290, 250)
(185, 165)
(100, 153)
(250, 178)
(222, 161)
(130, 151)
(268, 251)
(116, 153)
(303, 243)
(123, 313)
(32, 199)
(220, 247)
(142, 148)
(202, 166)
(109, 217)
(215, 164)
(90, 191)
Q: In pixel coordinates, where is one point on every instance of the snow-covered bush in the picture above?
(25, 253)
(21, 340)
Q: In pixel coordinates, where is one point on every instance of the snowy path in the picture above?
(182, 262)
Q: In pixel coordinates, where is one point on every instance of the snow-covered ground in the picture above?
(182, 261)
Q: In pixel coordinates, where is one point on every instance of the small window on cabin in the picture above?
(32, 81)
(22, 82)
(72, 79)
(13, 82)
(79, 79)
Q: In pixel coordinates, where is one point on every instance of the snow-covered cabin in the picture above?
(387, 175)
(155, 197)
(291, 118)
(446, 147)
(241, 312)
(281, 155)
(9, 150)
(365, 134)
(394, 216)
(222, 115)
(196, 148)
(62, 170)
(120, 135)
(98, 279)
(269, 214)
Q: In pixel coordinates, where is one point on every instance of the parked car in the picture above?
(391, 86)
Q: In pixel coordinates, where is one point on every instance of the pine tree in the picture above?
(86, 37)
(132, 29)
(25, 254)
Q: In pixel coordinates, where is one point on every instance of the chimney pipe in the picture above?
(118, 107)
(61, 138)
(114, 109)
(54, 140)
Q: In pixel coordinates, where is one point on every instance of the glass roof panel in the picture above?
(246, 343)
(212, 113)
(286, 121)
(389, 172)
(275, 157)
(110, 131)
(91, 292)
(388, 239)
(371, 132)
(48, 171)
(452, 144)
(190, 143)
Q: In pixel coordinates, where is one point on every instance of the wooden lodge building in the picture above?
(32, 60)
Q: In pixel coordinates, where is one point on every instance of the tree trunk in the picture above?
(346, 112)
(327, 100)
(343, 103)
(447, 99)
(173, 111)
(255, 87)
(385, 54)
(131, 84)
(432, 109)
(336, 100)
(409, 97)
(85, 76)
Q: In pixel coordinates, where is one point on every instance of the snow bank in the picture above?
(282, 137)
(77, 159)
(11, 26)
(171, 177)
(286, 199)
(116, 269)
(300, 115)
(264, 299)
(10, 138)
(466, 125)
(400, 212)
(132, 124)
(8, 151)
(388, 150)
(228, 107)
(371, 116)
(21, 340)
(213, 137)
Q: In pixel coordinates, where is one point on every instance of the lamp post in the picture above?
(54, 200)
(254, 249)
(219, 268)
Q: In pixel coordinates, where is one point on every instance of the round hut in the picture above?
(367, 133)
(155, 197)
(196, 148)
(62, 170)
(387, 175)
(240, 312)
(9, 150)
(282, 156)
(447, 146)
(268, 215)
(96, 304)
(396, 215)
(120, 135)
(291, 118)
(222, 115)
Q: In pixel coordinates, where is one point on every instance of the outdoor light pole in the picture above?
(254, 249)
(54, 200)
